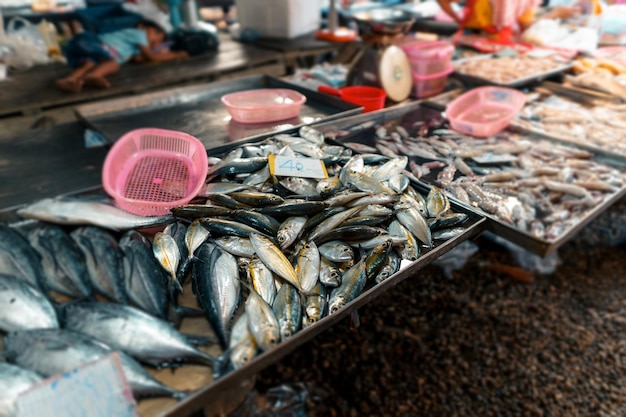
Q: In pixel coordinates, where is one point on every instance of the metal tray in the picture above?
(219, 396)
(361, 129)
(585, 96)
(520, 82)
(198, 111)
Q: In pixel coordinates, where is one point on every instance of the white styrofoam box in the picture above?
(279, 18)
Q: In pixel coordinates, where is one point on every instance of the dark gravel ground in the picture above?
(482, 343)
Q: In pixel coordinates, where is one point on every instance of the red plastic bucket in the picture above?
(371, 98)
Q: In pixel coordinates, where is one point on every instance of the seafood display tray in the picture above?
(520, 82)
(198, 111)
(218, 397)
(361, 129)
(584, 96)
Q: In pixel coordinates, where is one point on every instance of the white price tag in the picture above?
(287, 166)
(97, 389)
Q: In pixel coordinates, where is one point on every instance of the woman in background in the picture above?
(501, 19)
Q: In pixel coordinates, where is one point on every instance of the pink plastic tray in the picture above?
(150, 171)
(484, 111)
(263, 105)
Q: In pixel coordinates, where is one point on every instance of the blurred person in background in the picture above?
(502, 19)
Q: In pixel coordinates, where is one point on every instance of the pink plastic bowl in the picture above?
(263, 105)
(150, 171)
(484, 111)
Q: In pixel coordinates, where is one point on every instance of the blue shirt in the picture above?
(123, 44)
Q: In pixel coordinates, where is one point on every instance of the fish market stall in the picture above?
(338, 242)
(534, 192)
(272, 233)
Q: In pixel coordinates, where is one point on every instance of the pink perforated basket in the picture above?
(150, 171)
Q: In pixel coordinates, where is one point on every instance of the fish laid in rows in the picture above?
(52, 351)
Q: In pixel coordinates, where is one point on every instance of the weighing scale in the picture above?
(380, 62)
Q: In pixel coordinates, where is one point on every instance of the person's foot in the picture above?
(71, 85)
(98, 82)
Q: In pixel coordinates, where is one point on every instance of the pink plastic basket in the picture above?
(484, 111)
(263, 105)
(429, 85)
(427, 58)
(150, 171)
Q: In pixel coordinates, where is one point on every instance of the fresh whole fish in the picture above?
(127, 329)
(336, 251)
(104, 261)
(290, 230)
(257, 199)
(262, 280)
(23, 307)
(377, 258)
(195, 236)
(295, 208)
(168, 255)
(308, 266)
(197, 211)
(217, 287)
(315, 304)
(262, 321)
(410, 249)
(352, 283)
(235, 245)
(416, 224)
(242, 345)
(13, 381)
(145, 281)
(17, 257)
(178, 231)
(288, 310)
(274, 259)
(223, 227)
(330, 275)
(52, 351)
(63, 262)
(330, 223)
(77, 212)
(437, 203)
(391, 267)
(263, 223)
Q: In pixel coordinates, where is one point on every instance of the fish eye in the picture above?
(334, 309)
(286, 334)
(281, 238)
(272, 341)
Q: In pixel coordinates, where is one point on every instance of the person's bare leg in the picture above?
(97, 76)
(74, 82)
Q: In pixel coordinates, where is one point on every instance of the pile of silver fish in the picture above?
(539, 187)
(297, 249)
(266, 256)
(599, 124)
